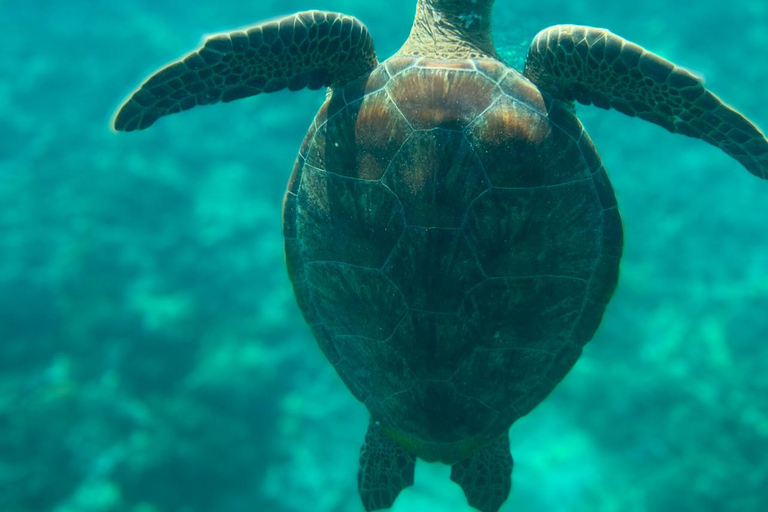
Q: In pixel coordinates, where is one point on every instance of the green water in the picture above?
(152, 356)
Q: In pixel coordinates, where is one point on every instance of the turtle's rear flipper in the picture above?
(486, 477)
(310, 49)
(385, 469)
(594, 66)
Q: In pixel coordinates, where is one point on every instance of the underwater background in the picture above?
(152, 356)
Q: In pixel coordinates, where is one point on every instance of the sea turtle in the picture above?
(450, 231)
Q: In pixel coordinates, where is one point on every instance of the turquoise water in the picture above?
(152, 357)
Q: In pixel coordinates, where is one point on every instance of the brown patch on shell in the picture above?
(361, 139)
(518, 87)
(441, 98)
(510, 120)
(492, 68)
(436, 176)
(445, 64)
(398, 64)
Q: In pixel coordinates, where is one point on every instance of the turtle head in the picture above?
(470, 14)
(463, 4)
(451, 29)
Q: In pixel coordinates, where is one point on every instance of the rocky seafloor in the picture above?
(152, 357)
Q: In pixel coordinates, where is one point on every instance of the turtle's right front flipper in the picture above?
(310, 49)
(594, 66)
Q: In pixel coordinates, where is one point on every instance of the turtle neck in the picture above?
(451, 29)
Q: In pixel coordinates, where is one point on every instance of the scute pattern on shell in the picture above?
(490, 246)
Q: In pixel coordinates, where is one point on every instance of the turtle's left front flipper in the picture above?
(594, 66)
(310, 49)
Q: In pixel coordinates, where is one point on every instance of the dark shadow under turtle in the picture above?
(450, 231)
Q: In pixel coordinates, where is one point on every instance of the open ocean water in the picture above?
(152, 356)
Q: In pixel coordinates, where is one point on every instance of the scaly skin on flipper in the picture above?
(594, 66)
(310, 49)
(386, 468)
(486, 477)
